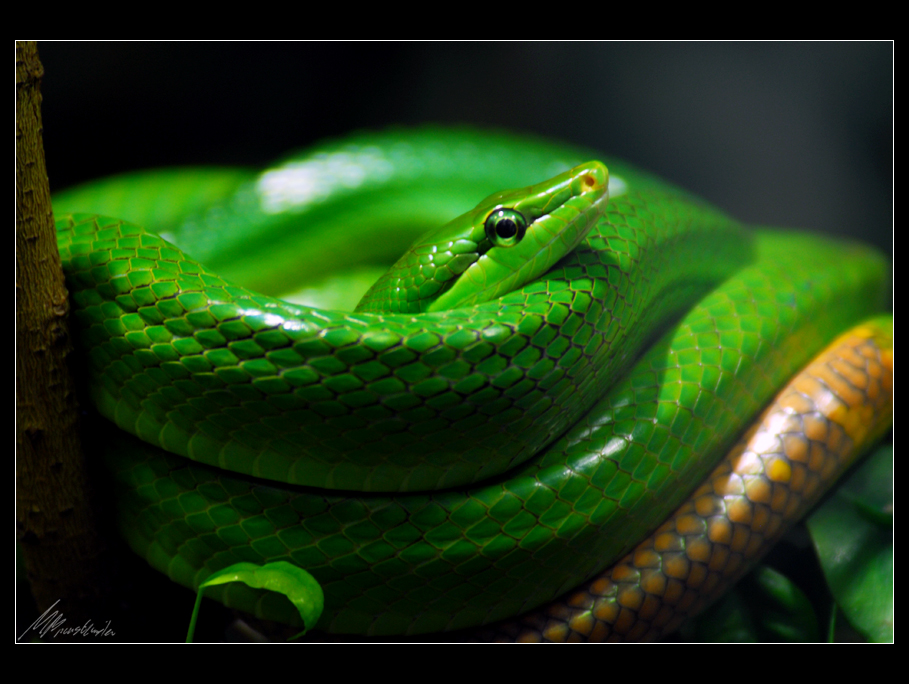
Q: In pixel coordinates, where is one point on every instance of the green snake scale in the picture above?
(555, 437)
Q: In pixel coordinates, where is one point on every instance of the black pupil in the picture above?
(506, 228)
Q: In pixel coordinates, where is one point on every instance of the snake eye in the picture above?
(505, 227)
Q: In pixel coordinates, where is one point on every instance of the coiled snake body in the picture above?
(510, 448)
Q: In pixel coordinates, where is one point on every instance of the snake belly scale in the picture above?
(190, 362)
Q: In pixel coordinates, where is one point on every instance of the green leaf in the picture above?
(727, 621)
(853, 536)
(765, 606)
(301, 588)
(786, 613)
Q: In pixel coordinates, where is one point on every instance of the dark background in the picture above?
(794, 134)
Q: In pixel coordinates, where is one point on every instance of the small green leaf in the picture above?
(786, 613)
(301, 588)
(727, 621)
(765, 606)
(852, 533)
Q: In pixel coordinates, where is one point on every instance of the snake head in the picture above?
(509, 239)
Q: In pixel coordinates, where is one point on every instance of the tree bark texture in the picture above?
(56, 521)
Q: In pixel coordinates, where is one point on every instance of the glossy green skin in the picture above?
(428, 561)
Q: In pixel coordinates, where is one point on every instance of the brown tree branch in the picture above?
(56, 520)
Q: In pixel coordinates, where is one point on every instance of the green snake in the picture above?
(517, 424)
